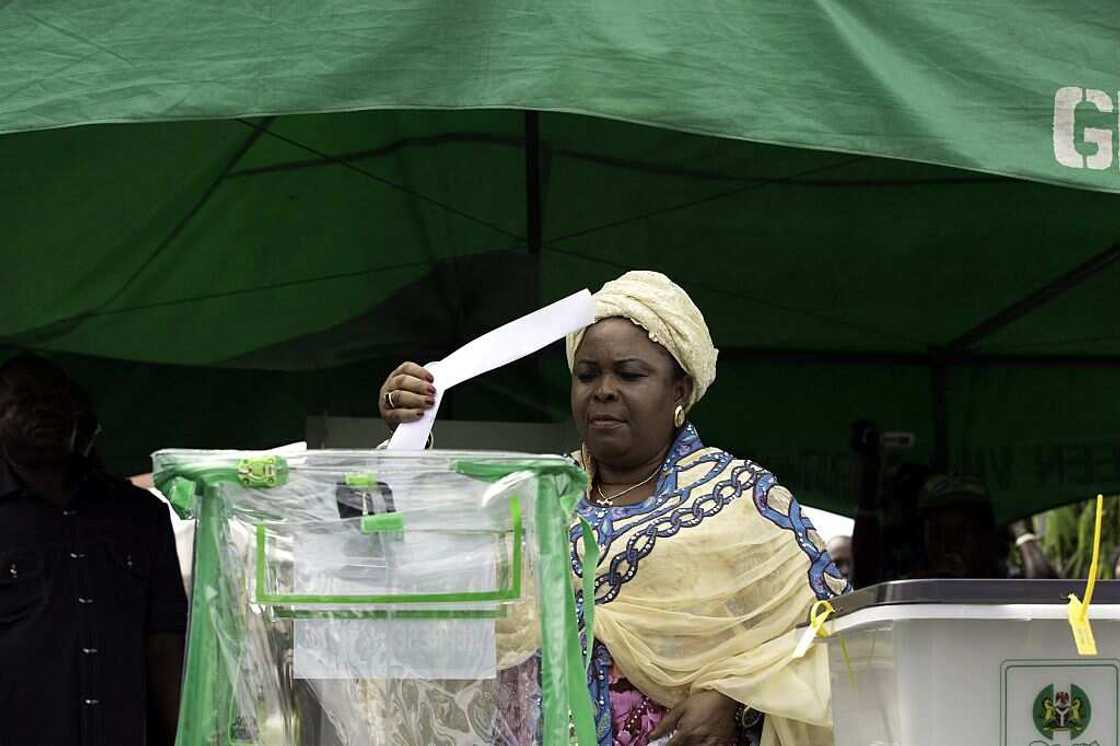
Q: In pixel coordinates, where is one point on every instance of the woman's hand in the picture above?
(704, 719)
(406, 394)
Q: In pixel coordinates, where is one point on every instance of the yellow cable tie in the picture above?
(1078, 611)
(818, 615)
(848, 665)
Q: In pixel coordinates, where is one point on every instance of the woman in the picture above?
(706, 563)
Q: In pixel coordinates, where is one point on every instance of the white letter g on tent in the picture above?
(1065, 107)
(1065, 103)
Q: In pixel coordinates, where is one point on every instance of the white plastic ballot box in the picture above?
(973, 663)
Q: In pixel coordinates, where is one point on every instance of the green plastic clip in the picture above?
(360, 479)
(263, 471)
(382, 523)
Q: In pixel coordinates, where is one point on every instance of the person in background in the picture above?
(912, 522)
(889, 536)
(840, 549)
(962, 540)
(959, 527)
(943, 526)
(1116, 563)
(92, 608)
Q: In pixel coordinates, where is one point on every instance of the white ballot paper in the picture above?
(494, 349)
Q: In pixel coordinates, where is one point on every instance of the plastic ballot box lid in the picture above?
(973, 592)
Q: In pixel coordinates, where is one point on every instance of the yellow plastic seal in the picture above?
(818, 615)
(1078, 611)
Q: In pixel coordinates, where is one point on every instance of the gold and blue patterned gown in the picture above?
(700, 587)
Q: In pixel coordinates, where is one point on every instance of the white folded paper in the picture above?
(494, 349)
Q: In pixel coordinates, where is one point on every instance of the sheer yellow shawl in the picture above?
(703, 591)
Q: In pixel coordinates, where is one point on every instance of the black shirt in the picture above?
(81, 587)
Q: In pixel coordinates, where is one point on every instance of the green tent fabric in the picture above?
(950, 83)
(215, 279)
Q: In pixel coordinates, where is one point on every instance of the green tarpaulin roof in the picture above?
(831, 181)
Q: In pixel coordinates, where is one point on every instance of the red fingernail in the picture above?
(432, 390)
(430, 401)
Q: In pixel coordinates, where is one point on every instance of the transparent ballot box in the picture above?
(375, 598)
(973, 663)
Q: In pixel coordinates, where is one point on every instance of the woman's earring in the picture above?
(678, 416)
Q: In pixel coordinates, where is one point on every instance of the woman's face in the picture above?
(625, 389)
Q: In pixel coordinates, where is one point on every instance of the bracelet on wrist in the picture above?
(746, 718)
(1025, 538)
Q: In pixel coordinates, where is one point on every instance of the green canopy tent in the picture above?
(900, 211)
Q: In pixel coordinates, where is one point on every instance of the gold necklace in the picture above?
(608, 501)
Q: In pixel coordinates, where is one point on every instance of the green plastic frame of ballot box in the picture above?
(208, 699)
(565, 697)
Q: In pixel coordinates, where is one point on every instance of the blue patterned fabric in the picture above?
(820, 564)
(598, 681)
(665, 513)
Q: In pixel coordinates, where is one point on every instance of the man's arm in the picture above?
(1035, 564)
(166, 627)
(164, 654)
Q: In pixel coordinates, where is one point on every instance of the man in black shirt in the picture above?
(92, 608)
